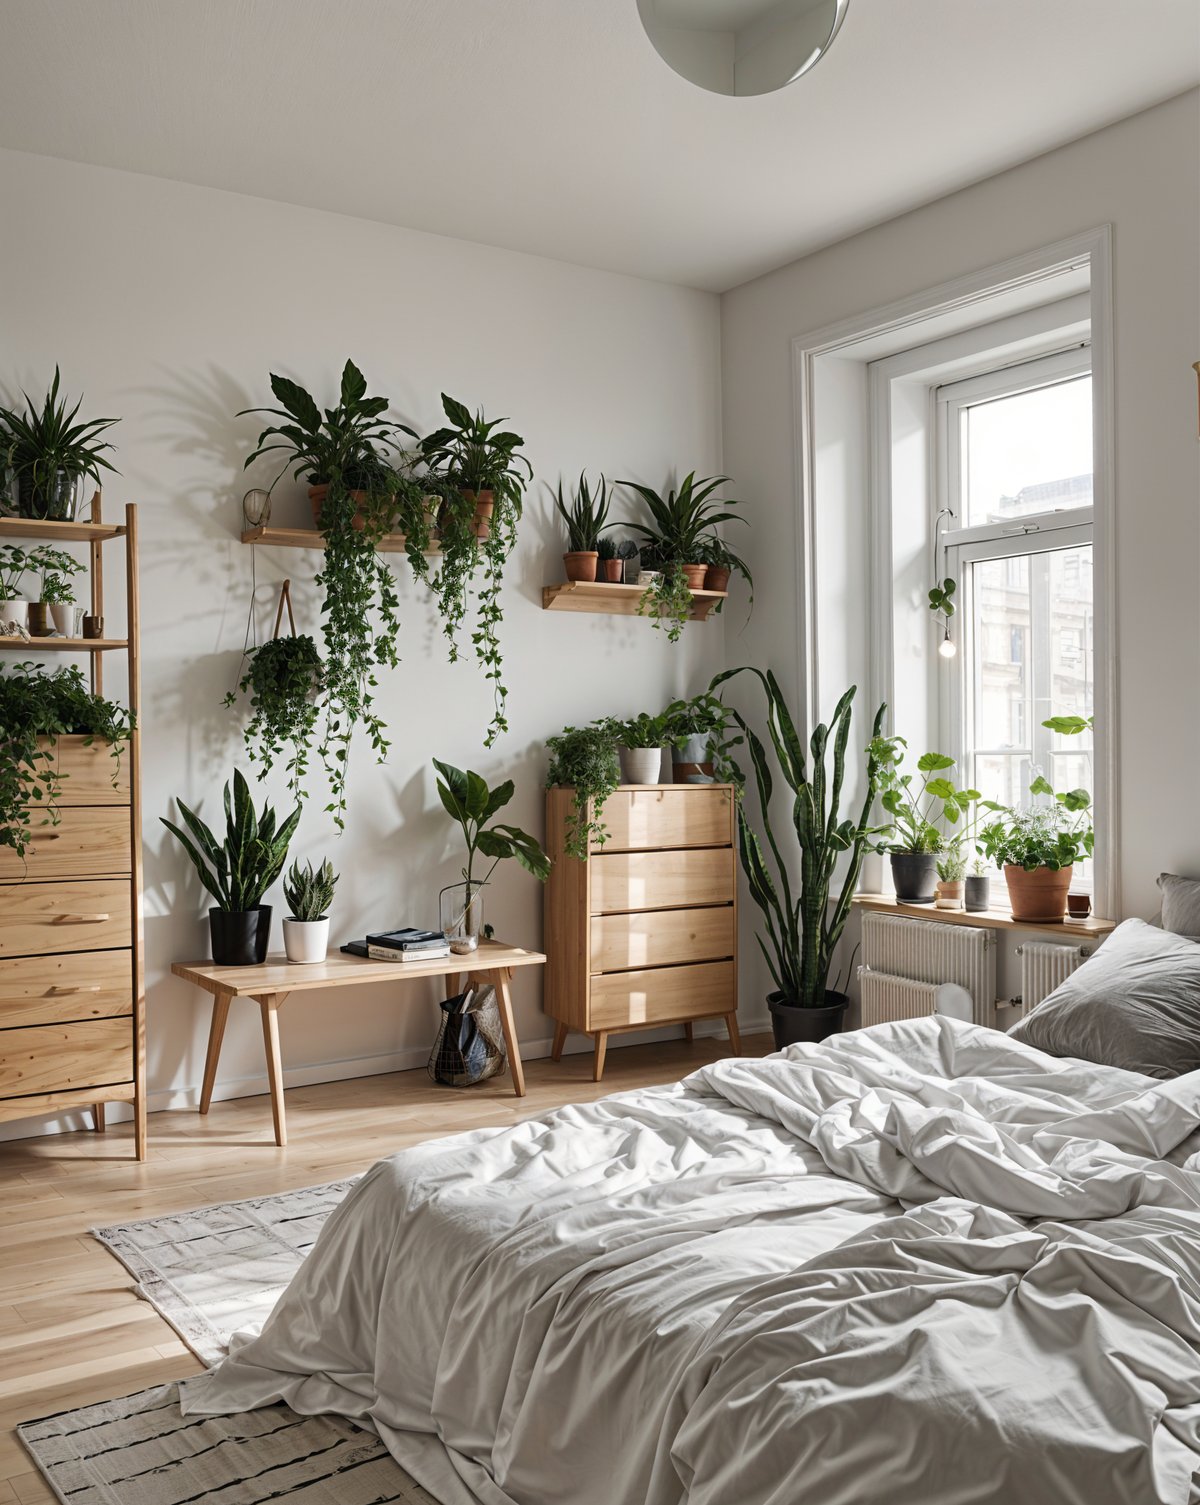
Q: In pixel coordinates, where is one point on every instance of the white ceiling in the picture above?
(552, 126)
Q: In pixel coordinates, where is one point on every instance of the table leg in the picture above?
(269, 1004)
(689, 1033)
(601, 1039)
(216, 1033)
(560, 1039)
(98, 1117)
(499, 980)
(735, 1039)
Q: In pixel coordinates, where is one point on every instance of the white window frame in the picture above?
(962, 547)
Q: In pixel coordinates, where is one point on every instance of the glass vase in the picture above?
(461, 916)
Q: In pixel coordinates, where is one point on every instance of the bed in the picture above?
(920, 1263)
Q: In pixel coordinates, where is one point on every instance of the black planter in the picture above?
(240, 938)
(978, 887)
(793, 1025)
(914, 876)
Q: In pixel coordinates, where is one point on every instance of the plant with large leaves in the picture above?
(239, 870)
(803, 928)
(465, 796)
(49, 452)
(916, 811)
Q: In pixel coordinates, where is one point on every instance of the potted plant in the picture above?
(951, 870)
(680, 525)
(584, 758)
(722, 562)
(466, 797)
(640, 742)
(803, 929)
(1038, 849)
(977, 886)
(586, 518)
(57, 598)
(914, 839)
(35, 708)
(238, 871)
(309, 893)
(283, 680)
(691, 727)
(480, 458)
(14, 566)
(51, 454)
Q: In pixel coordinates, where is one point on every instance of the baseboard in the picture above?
(359, 1066)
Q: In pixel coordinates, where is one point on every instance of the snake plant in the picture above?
(309, 891)
(238, 871)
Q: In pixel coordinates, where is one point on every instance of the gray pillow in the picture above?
(1134, 1004)
(1180, 904)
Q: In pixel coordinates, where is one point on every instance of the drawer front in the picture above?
(53, 989)
(90, 774)
(65, 1057)
(661, 880)
(661, 937)
(38, 919)
(670, 816)
(87, 841)
(662, 995)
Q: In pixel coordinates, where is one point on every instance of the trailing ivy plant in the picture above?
(34, 705)
(282, 680)
(584, 758)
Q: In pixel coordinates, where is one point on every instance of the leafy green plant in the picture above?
(586, 516)
(952, 861)
(803, 929)
(308, 891)
(56, 568)
(475, 454)
(239, 870)
(42, 444)
(1054, 836)
(716, 552)
(467, 799)
(282, 680)
(915, 812)
(642, 730)
(15, 564)
(668, 599)
(36, 705)
(941, 599)
(584, 758)
(704, 715)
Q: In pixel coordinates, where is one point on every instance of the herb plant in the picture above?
(44, 444)
(308, 891)
(239, 870)
(283, 680)
(1054, 835)
(56, 568)
(584, 759)
(37, 705)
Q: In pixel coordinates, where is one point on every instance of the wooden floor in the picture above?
(71, 1329)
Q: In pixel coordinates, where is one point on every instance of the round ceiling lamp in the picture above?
(742, 46)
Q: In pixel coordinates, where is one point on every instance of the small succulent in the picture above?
(309, 890)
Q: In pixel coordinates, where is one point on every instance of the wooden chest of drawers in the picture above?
(644, 933)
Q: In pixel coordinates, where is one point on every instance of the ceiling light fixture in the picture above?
(742, 46)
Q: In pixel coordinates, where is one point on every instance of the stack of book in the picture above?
(407, 945)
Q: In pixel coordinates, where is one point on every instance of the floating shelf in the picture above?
(310, 538)
(615, 600)
(33, 527)
(66, 645)
(1092, 928)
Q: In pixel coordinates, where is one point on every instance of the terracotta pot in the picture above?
(614, 571)
(716, 578)
(694, 575)
(581, 564)
(949, 893)
(317, 495)
(485, 502)
(39, 619)
(1040, 895)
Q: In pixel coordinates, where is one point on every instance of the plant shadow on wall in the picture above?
(456, 495)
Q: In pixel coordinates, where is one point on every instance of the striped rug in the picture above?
(209, 1273)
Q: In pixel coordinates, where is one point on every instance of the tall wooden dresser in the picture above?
(644, 933)
(72, 1016)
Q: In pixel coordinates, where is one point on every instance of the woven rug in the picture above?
(209, 1273)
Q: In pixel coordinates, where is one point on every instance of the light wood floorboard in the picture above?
(71, 1329)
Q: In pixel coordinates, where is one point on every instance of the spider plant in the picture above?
(586, 516)
(49, 453)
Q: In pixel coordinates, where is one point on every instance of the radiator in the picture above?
(885, 998)
(1044, 964)
(922, 951)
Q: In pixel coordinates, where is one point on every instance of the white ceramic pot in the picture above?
(67, 619)
(15, 611)
(641, 765)
(648, 577)
(306, 940)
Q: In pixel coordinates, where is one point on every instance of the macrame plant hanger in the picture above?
(285, 599)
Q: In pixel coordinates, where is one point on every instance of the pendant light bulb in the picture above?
(947, 647)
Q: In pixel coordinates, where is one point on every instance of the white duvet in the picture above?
(921, 1264)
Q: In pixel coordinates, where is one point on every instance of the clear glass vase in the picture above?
(55, 497)
(461, 916)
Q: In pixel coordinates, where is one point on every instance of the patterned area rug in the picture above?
(210, 1273)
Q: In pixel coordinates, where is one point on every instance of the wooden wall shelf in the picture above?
(30, 527)
(66, 645)
(310, 538)
(1093, 928)
(615, 600)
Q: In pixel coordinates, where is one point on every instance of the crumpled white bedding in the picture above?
(922, 1264)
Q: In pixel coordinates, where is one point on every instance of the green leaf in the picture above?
(1040, 785)
(931, 761)
(941, 789)
(354, 386)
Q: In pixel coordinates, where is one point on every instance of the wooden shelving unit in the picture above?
(72, 1003)
(310, 538)
(616, 600)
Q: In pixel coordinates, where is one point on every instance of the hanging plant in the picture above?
(282, 680)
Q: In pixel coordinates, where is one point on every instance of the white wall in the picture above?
(168, 305)
(1142, 176)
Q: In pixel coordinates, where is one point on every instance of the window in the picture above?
(1016, 452)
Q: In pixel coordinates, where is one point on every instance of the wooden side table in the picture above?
(271, 984)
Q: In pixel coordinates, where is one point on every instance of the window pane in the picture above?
(1003, 614)
(1028, 453)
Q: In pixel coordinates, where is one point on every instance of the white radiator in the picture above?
(1044, 964)
(885, 998)
(923, 951)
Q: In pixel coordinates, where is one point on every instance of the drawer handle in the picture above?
(80, 919)
(57, 992)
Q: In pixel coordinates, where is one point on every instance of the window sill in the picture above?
(1092, 928)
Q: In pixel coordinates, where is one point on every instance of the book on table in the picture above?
(389, 954)
(407, 944)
